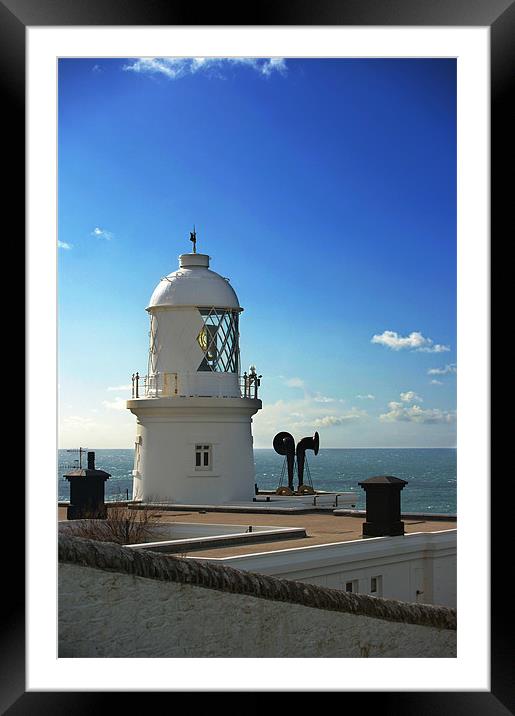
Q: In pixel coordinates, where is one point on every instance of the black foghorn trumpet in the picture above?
(303, 445)
(284, 444)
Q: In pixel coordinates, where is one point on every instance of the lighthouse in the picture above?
(193, 408)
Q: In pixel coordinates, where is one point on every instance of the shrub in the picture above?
(122, 526)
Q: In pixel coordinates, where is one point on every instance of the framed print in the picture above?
(40, 43)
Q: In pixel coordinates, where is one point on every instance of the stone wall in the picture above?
(117, 602)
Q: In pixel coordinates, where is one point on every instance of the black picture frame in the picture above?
(499, 16)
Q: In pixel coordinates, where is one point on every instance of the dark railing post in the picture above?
(136, 378)
(133, 385)
(249, 380)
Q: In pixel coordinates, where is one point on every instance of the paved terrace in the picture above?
(321, 528)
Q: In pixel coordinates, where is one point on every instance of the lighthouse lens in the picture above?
(218, 339)
(202, 339)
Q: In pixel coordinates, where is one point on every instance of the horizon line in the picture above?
(370, 447)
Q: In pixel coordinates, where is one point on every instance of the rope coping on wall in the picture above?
(152, 565)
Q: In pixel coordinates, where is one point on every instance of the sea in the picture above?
(430, 473)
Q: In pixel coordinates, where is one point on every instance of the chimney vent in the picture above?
(383, 497)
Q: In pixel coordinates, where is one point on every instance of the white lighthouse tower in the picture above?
(194, 411)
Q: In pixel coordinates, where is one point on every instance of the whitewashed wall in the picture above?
(169, 429)
(109, 614)
(418, 567)
(175, 339)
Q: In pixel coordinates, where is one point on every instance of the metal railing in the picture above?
(158, 385)
(249, 384)
(166, 385)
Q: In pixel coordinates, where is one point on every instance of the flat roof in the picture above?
(321, 528)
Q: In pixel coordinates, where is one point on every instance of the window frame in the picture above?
(354, 586)
(203, 449)
(378, 591)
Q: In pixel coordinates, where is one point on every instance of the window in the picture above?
(376, 586)
(203, 457)
(218, 339)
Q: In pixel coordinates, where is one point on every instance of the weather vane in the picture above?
(193, 237)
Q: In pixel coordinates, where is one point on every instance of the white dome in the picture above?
(194, 284)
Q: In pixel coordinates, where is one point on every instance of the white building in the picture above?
(418, 567)
(194, 412)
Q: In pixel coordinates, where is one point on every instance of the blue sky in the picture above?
(325, 189)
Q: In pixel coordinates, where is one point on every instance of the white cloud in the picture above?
(96, 68)
(415, 342)
(436, 382)
(300, 417)
(330, 420)
(368, 396)
(294, 383)
(416, 414)
(436, 348)
(319, 398)
(176, 67)
(77, 421)
(116, 404)
(273, 64)
(391, 339)
(409, 396)
(115, 429)
(316, 397)
(102, 233)
(119, 388)
(450, 368)
(393, 405)
(63, 245)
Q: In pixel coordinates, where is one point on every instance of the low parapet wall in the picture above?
(118, 602)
